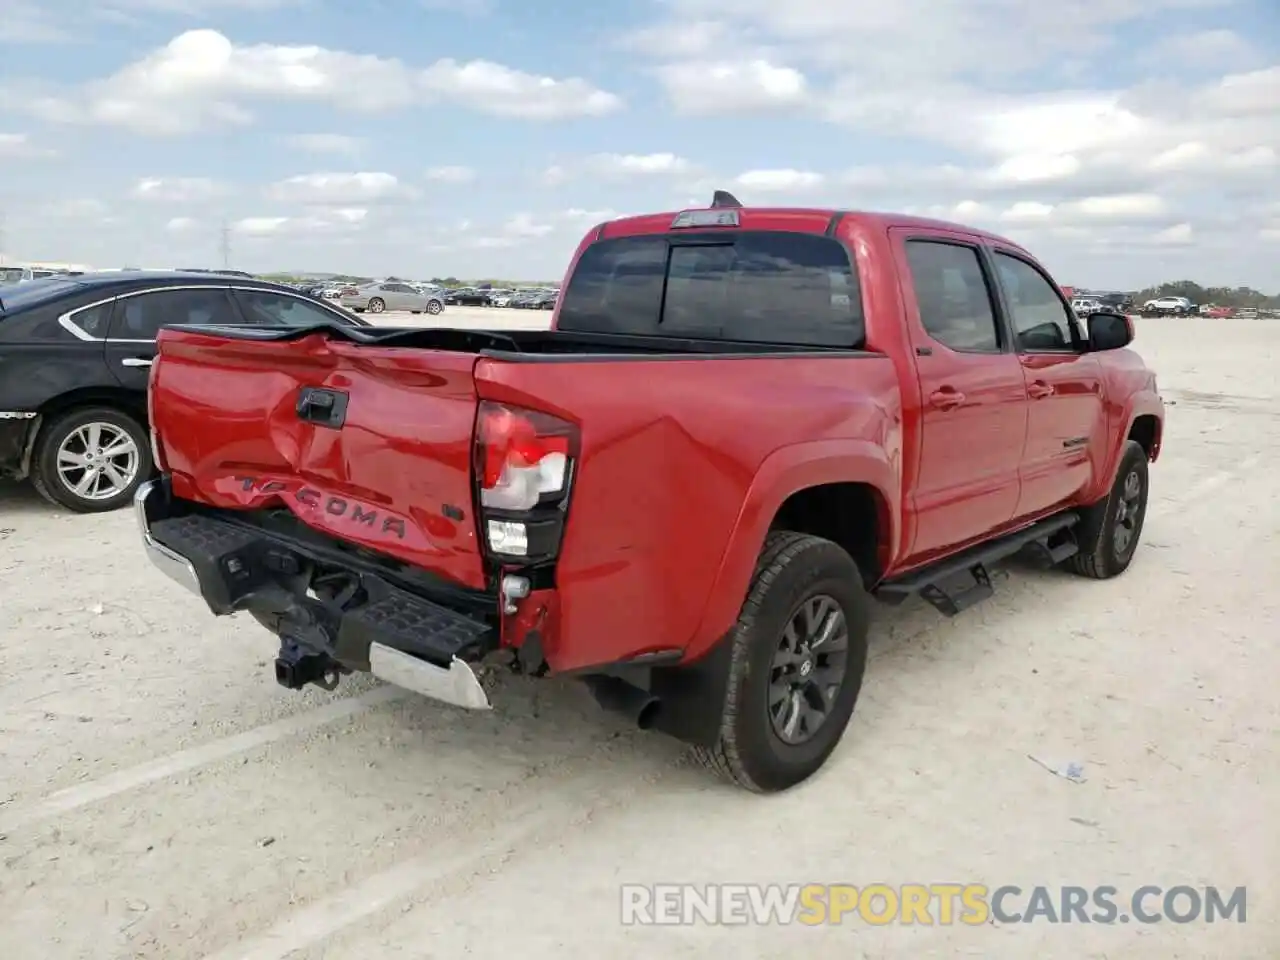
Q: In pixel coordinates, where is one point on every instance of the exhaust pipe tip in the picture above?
(638, 706)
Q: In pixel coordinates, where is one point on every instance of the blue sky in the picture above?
(1125, 141)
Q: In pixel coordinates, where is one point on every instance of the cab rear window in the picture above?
(755, 286)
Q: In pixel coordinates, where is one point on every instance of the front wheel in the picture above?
(377, 305)
(91, 460)
(1109, 531)
(434, 307)
(799, 651)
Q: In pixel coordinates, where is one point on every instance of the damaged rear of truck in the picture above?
(596, 502)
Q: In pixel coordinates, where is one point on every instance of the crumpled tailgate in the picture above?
(393, 475)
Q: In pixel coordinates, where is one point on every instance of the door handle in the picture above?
(1038, 390)
(946, 398)
(136, 362)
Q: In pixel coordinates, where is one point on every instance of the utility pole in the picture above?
(3, 238)
(225, 246)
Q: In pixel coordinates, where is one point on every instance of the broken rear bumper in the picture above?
(365, 623)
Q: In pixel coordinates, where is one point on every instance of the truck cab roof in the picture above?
(827, 220)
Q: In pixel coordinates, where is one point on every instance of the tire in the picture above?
(357, 309)
(61, 439)
(1104, 551)
(377, 305)
(434, 307)
(793, 570)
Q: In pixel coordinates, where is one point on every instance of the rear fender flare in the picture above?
(786, 471)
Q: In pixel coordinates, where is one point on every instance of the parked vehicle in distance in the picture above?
(390, 295)
(1121, 302)
(468, 297)
(743, 426)
(76, 354)
(1083, 306)
(1177, 305)
(11, 275)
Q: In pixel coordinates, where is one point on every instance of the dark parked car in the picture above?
(468, 297)
(1116, 301)
(75, 357)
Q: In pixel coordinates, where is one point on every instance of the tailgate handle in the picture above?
(326, 408)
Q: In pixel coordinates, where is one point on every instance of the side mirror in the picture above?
(1109, 331)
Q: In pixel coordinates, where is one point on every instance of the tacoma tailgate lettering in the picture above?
(334, 506)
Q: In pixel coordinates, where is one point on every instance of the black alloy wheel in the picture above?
(808, 669)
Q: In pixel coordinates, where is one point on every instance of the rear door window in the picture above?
(141, 316)
(760, 286)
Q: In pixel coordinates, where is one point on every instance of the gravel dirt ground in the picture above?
(162, 797)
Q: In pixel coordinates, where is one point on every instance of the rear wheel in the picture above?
(377, 305)
(1110, 530)
(799, 651)
(91, 460)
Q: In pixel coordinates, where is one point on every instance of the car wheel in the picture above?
(434, 307)
(799, 651)
(377, 305)
(1109, 531)
(92, 460)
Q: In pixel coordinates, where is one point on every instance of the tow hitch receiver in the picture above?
(297, 666)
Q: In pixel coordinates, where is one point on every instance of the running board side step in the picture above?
(958, 582)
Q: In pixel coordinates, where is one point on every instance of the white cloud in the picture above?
(503, 92)
(635, 164)
(779, 181)
(201, 78)
(260, 226)
(555, 175)
(180, 224)
(73, 208)
(1222, 48)
(327, 143)
(20, 146)
(176, 189)
(577, 215)
(340, 220)
(523, 225)
(1037, 168)
(1180, 234)
(1124, 208)
(732, 87)
(28, 21)
(335, 188)
(1027, 211)
(1128, 207)
(447, 174)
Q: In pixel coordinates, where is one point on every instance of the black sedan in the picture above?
(468, 297)
(76, 355)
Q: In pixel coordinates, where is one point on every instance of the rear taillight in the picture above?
(524, 469)
(157, 450)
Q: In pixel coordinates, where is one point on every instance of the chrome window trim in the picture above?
(67, 323)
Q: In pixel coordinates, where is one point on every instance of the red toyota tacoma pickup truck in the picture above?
(744, 425)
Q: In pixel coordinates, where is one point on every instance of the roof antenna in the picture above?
(723, 198)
